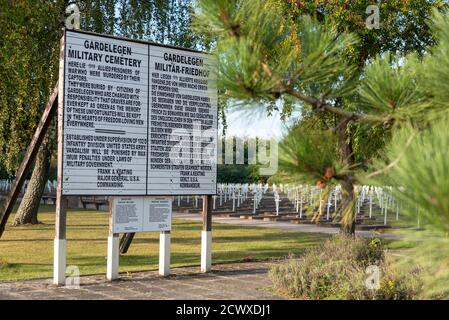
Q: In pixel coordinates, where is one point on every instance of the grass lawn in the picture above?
(27, 252)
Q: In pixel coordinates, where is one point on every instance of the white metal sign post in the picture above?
(135, 119)
(112, 264)
(59, 255)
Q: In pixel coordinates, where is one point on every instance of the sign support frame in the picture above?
(206, 235)
(113, 238)
(113, 253)
(60, 242)
(164, 253)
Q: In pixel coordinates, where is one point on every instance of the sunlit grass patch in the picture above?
(28, 250)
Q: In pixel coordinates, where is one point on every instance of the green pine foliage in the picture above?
(262, 53)
(389, 87)
(268, 54)
(415, 163)
(416, 159)
(390, 99)
(308, 155)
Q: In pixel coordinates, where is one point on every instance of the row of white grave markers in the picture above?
(233, 193)
(307, 194)
(5, 185)
(374, 197)
(302, 195)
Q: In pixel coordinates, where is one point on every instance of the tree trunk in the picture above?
(347, 183)
(29, 206)
(347, 207)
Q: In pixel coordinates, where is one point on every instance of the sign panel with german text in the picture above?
(139, 118)
(141, 214)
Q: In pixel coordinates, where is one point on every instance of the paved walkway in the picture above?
(227, 281)
(309, 228)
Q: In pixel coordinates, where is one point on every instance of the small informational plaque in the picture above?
(141, 214)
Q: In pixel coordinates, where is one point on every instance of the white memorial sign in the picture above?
(139, 118)
(139, 214)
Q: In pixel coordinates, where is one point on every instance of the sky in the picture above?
(254, 122)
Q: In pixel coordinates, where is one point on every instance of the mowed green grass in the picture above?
(27, 251)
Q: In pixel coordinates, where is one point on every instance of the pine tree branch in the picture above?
(319, 105)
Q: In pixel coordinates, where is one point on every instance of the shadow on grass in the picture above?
(274, 237)
(28, 240)
(146, 240)
(93, 226)
(139, 262)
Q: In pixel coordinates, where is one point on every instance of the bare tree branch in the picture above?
(343, 122)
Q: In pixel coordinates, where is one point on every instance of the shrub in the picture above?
(337, 270)
(368, 252)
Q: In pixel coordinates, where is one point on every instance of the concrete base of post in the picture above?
(206, 251)
(164, 253)
(113, 257)
(59, 261)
